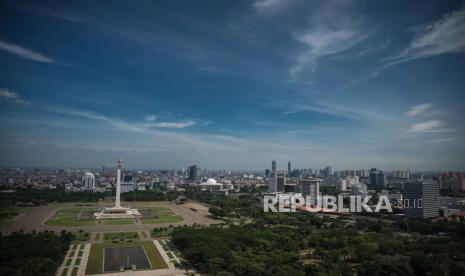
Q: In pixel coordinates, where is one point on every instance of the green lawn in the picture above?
(162, 219)
(9, 212)
(118, 235)
(154, 215)
(82, 236)
(118, 221)
(67, 217)
(95, 261)
(65, 272)
(74, 272)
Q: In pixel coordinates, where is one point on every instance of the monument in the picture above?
(117, 211)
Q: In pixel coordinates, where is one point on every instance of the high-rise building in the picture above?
(288, 168)
(273, 180)
(377, 178)
(310, 187)
(402, 174)
(281, 181)
(267, 173)
(88, 181)
(193, 173)
(452, 182)
(421, 199)
(381, 181)
(373, 176)
(359, 189)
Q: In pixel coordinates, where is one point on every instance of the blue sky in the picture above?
(233, 84)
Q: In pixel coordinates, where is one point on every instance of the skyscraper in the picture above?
(273, 184)
(377, 178)
(267, 173)
(288, 168)
(373, 176)
(310, 187)
(381, 179)
(421, 199)
(193, 173)
(281, 181)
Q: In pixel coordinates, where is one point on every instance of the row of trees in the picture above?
(304, 244)
(41, 196)
(299, 244)
(33, 253)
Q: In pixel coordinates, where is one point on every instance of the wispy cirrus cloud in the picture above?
(417, 109)
(10, 95)
(443, 140)
(446, 35)
(430, 126)
(44, 11)
(269, 7)
(327, 35)
(149, 123)
(24, 52)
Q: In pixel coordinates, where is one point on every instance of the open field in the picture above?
(95, 261)
(62, 216)
(9, 213)
(158, 215)
(118, 221)
(120, 235)
(69, 217)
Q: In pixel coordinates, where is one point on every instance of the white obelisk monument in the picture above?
(117, 211)
(119, 166)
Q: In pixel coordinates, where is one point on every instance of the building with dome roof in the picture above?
(212, 186)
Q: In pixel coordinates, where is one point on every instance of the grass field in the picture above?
(158, 215)
(118, 221)
(95, 261)
(67, 217)
(81, 236)
(118, 235)
(9, 212)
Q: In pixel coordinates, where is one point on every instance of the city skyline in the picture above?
(233, 85)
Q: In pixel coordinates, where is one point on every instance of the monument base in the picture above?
(117, 213)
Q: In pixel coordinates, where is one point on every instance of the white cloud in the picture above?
(181, 124)
(13, 96)
(150, 121)
(429, 126)
(443, 140)
(447, 35)
(270, 6)
(417, 109)
(327, 36)
(150, 118)
(24, 53)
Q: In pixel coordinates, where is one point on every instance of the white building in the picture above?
(352, 180)
(88, 181)
(212, 186)
(360, 189)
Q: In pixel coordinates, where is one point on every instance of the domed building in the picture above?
(212, 186)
